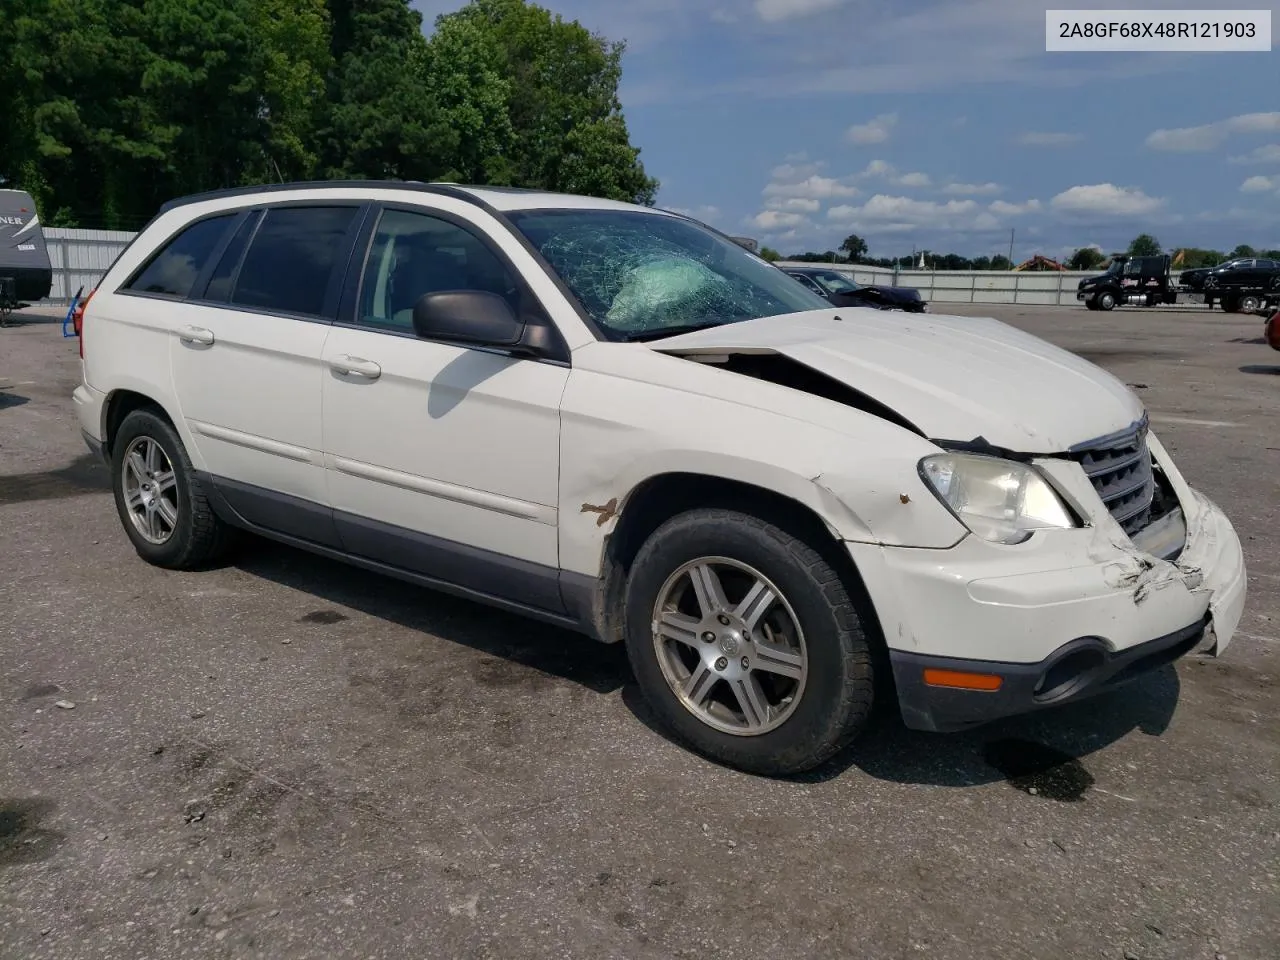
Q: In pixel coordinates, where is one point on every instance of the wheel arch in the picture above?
(660, 497)
(122, 402)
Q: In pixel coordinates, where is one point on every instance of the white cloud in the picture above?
(721, 15)
(773, 10)
(1003, 209)
(1270, 153)
(914, 180)
(1210, 135)
(1260, 184)
(1107, 199)
(795, 167)
(1042, 139)
(875, 130)
(972, 189)
(813, 187)
(794, 204)
(902, 212)
(772, 221)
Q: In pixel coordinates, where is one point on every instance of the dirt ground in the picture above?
(290, 758)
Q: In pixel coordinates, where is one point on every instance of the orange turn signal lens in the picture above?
(960, 680)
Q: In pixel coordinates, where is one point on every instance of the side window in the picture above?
(174, 270)
(413, 254)
(219, 288)
(291, 259)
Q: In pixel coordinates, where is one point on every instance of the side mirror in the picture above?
(467, 317)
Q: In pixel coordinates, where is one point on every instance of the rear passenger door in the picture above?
(246, 357)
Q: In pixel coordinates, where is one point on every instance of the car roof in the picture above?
(503, 199)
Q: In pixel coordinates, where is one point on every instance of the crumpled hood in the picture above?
(955, 378)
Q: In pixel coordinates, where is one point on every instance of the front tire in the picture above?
(746, 643)
(163, 507)
(1106, 301)
(1091, 303)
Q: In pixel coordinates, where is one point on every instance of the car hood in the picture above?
(956, 379)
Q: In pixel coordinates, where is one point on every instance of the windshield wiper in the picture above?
(661, 334)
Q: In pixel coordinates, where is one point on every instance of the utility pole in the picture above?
(1011, 232)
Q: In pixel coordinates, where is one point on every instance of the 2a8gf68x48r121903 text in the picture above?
(1169, 31)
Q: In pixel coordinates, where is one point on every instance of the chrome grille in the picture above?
(1119, 467)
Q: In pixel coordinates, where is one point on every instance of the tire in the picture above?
(1250, 304)
(1230, 305)
(181, 532)
(1091, 303)
(827, 661)
(1106, 301)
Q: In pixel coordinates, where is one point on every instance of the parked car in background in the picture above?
(844, 291)
(615, 420)
(1193, 279)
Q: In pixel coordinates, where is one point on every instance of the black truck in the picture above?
(1136, 281)
(1242, 285)
(25, 271)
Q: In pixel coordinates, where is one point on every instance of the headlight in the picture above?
(1000, 500)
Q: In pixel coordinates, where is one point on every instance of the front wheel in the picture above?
(1091, 303)
(746, 643)
(162, 504)
(1106, 301)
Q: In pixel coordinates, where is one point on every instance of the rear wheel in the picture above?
(163, 506)
(746, 643)
(1250, 304)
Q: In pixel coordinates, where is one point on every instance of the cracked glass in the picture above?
(642, 275)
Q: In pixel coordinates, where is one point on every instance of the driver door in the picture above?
(441, 459)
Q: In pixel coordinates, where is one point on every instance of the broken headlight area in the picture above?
(999, 500)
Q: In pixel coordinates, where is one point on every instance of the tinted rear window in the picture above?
(174, 270)
(291, 259)
(220, 283)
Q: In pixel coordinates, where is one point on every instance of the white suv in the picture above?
(616, 419)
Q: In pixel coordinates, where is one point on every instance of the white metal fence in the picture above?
(81, 257)
(971, 286)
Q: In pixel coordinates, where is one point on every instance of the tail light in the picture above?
(77, 319)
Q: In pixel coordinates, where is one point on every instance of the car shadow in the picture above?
(1041, 753)
(85, 474)
(546, 648)
(8, 400)
(20, 318)
(1264, 369)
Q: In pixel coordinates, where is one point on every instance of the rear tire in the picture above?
(775, 695)
(1250, 304)
(163, 507)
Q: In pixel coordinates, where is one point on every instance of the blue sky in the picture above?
(939, 125)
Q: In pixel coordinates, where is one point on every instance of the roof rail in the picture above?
(444, 189)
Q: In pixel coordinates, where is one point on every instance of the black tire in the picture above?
(1230, 305)
(1250, 304)
(1106, 300)
(1091, 303)
(199, 537)
(838, 694)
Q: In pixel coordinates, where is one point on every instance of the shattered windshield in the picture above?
(645, 275)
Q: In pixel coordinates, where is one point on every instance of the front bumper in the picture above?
(1072, 611)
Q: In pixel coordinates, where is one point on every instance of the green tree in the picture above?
(1086, 258)
(1144, 245)
(294, 61)
(770, 254)
(855, 247)
(1001, 262)
(568, 129)
(1244, 250)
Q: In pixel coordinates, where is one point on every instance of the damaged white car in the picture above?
(614, 419)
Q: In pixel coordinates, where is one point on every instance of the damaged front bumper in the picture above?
(982, 630)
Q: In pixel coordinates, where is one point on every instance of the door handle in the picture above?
(196, 335)
(356, 367)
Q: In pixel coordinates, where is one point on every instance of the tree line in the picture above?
(854, 249)
(113, 107)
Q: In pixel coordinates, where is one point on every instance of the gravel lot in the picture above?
(291, 758)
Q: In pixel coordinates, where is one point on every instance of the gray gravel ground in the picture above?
(290, 758)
